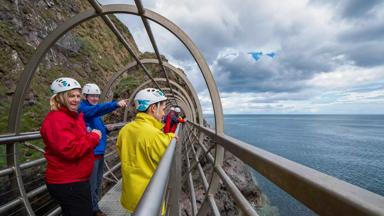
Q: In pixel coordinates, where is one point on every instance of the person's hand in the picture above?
(109, 127)
(122, 103)
(97, 132)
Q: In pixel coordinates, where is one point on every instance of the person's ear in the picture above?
(152, 108)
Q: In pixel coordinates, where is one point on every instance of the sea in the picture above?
(348, 147)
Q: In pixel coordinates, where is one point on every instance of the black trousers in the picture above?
(73, 198)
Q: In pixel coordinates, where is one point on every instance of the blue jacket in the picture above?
(92, 118)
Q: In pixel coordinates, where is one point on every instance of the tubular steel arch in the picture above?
(186, 109)
(195, 98)
(49, 41)
(14, 117)
(177, 95)
(183, 94)
(158, 79)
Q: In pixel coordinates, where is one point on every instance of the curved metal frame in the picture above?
(29, 71)
(148, 82)
(48, 42)
(183, 94)
(195, 98)
(185, 108)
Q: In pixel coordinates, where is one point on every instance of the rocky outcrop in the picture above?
(240, 175)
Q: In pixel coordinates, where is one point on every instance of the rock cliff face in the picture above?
(88, 53)
(240, 175)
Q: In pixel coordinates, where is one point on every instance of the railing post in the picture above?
(175, 181)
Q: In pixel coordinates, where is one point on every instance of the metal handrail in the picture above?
(322, 193)
(11, 138)
(152, 199)
(22, 137)
(241, 201)
(34, 135)
(190, 184)
(26, 165)
(13, 203)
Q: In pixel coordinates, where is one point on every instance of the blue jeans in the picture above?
(95, 182)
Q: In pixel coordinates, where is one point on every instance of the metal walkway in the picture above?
(110, 203)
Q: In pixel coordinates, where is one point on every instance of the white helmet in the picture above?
(91, 88)
(145, 97)
(64, 84)
(172, 108)
(177, 109)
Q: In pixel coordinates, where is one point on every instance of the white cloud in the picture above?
(363, 97)
(329, 58)
(346, 76)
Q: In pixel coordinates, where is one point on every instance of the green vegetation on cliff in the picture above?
(89, 53)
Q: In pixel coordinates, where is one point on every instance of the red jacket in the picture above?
(68, 147)
(171, 121)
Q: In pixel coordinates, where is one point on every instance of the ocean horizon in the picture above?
(347, 146)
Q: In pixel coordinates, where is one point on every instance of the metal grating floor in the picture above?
(110, 202)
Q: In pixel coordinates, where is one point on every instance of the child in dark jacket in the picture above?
(93, 112)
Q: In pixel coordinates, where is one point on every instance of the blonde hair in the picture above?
(58, 100)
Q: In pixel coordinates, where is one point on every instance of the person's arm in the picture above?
(98, 109)
(174, 119)
(65, 143)
(107, 131)
(161, 143)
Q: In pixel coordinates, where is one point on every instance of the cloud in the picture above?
(330, 54)
(352, 9)
(346, 77)
(286, 73)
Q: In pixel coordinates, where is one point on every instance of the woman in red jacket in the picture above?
(68, 149)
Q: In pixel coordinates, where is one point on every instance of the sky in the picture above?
(329, 54)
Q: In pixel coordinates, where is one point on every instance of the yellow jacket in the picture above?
(141, 144)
